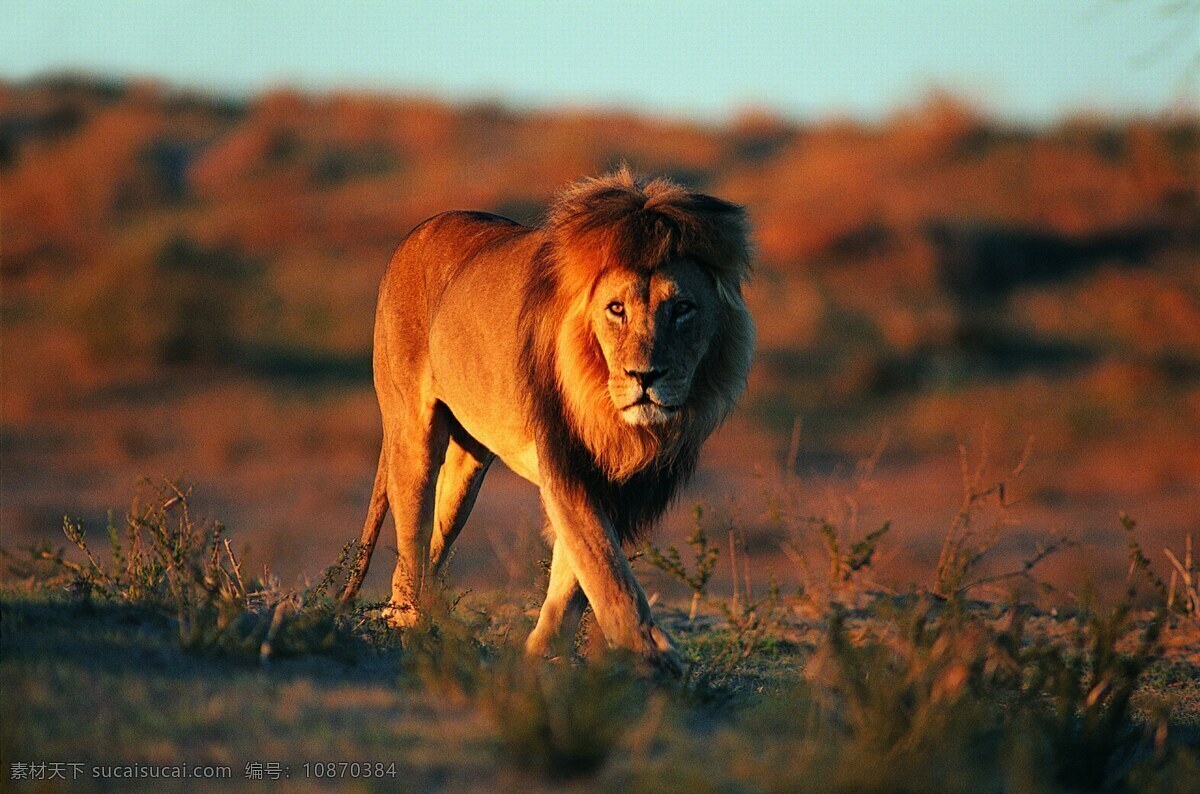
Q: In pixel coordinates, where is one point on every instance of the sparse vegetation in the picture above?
(904, 692)
(703, 565)
(1183, 593)
(160, 561)
(966, 544)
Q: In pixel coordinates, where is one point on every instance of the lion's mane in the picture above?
(622, 221)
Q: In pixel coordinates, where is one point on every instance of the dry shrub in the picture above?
(928, 687)
(163, 562)
(832, 549)
(704, 563)
(565, 720)
(966, 545)
(556, 719)
(750, 623)
(1183, 593)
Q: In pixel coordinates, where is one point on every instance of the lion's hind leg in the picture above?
(558, 621)
(462, 473)
(370, 532)
(415, 450)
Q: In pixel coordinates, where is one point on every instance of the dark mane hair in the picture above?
(620, 220)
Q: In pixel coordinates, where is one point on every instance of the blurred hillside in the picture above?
(189, 281)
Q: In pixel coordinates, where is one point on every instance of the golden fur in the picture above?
(592, 354)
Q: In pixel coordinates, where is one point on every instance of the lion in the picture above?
(592, 354)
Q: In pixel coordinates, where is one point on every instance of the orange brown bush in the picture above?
(167, 254)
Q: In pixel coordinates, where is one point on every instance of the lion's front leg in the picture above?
(594, 554)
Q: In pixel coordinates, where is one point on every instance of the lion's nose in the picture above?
(645, 377)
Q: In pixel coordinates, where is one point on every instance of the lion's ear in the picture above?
(713, 231)
(728, 238)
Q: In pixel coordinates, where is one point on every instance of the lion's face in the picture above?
(654, 330)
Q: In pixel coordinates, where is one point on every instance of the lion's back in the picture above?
(449, 309)
(431, 255)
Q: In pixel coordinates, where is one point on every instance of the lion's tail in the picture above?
(370, 532)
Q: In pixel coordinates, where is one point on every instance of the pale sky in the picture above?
(1029, 60)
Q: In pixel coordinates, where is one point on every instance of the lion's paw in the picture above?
(400, 616)
(666, 659)
(537, 646)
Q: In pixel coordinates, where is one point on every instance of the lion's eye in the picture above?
(616, 309)
(683, 310)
